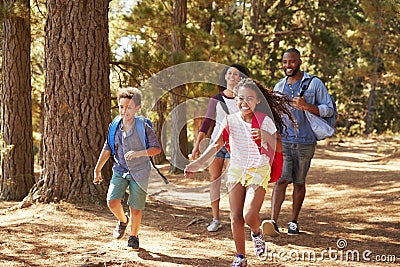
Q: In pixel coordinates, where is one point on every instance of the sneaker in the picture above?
(293, 228)
(240, 261)
(120, 228)
(259, 244)
(214, 226)
(133, 242)
(270, 228)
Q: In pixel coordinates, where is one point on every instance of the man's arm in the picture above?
(300, 103)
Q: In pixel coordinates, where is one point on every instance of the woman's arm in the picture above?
(196, 146)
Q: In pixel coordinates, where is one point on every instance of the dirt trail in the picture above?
(353, 199)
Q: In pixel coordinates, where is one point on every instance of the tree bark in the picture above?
(179, 146)
(16, 105)
(76, 100)
(161, 107)
(254, 17)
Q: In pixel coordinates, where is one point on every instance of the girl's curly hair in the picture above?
(273, 104)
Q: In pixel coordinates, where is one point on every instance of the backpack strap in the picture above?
(225, 135)
(140, 123)
(256, 122)
(112, 129)
(306, 84)
(221, 100)
(276, 158)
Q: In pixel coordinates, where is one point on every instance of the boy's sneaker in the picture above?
(259, 244)
(120, 228)
(133, 242)
(293, 228)
(214, 226)
(240, 261)
(270, 228)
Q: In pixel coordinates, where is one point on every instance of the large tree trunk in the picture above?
(255, 10)
(160, 107)
(371, 98)
(179, 146)
(16, 105)
(76, 100)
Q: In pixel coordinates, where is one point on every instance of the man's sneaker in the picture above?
(259, 244)
(120, 228)
(270, 228)
(214, 226)
(240, 261)
(133, 242)
(293, 228)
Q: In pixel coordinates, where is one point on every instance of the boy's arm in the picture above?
(154, 146)
(152, 151)
(104, 156)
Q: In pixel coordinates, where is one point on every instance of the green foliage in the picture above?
(14, 9)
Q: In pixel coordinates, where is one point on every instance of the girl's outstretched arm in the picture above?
(199, 163)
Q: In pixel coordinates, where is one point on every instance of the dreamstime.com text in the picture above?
(332, 254)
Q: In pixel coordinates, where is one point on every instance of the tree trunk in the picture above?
(254, 17)
(371, 98)
(370, 107)
(274, 54)
(76, 100)
(16, 105)
(161, 107)
(179, 146)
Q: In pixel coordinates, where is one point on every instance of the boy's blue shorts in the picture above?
(137, 190)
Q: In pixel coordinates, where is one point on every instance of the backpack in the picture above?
(140, 122)
(277, 162)
(330, 120)
(140, 128)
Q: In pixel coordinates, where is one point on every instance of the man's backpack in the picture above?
(330, 120)
(276, 157)
(140, 122)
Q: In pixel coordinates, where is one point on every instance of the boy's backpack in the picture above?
(140, 122)
(330, 120)
(277, 157)
(140, 128)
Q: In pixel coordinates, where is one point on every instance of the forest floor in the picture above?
(351, 217)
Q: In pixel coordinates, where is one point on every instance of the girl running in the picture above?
(250, 166)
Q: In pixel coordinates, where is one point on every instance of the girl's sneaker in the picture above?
(240, 261)
(259, 244)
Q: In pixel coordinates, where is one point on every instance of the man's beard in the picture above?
(295, 71)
